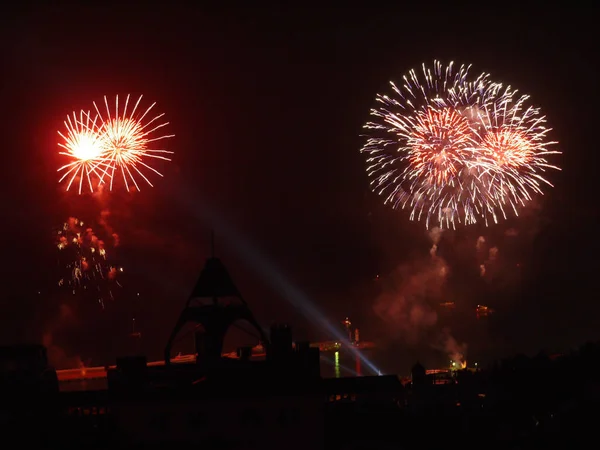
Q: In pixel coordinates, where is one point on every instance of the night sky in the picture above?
(267, 107)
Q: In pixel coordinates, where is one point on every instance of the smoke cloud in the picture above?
(448, 344)
(410, 298)
(58, 356)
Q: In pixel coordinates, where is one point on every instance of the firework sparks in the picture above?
(454, 148)
(84, 262)
(126, 141)
(114, 144)
(513, 152)
(82, 146)
(439, 141)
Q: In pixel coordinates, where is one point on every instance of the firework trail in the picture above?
(113, 144)
(454, 148)
(84, 263)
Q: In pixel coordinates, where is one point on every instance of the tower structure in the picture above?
(213, 305)
(348, 328)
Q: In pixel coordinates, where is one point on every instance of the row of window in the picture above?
(342, 397)
(250, 417)
(88, 411)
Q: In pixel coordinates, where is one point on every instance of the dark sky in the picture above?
(267, 108)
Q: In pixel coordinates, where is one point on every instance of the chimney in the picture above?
(135, 340)
(308, 359)
(281, 342)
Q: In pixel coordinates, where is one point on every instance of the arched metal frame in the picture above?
(216, 318)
